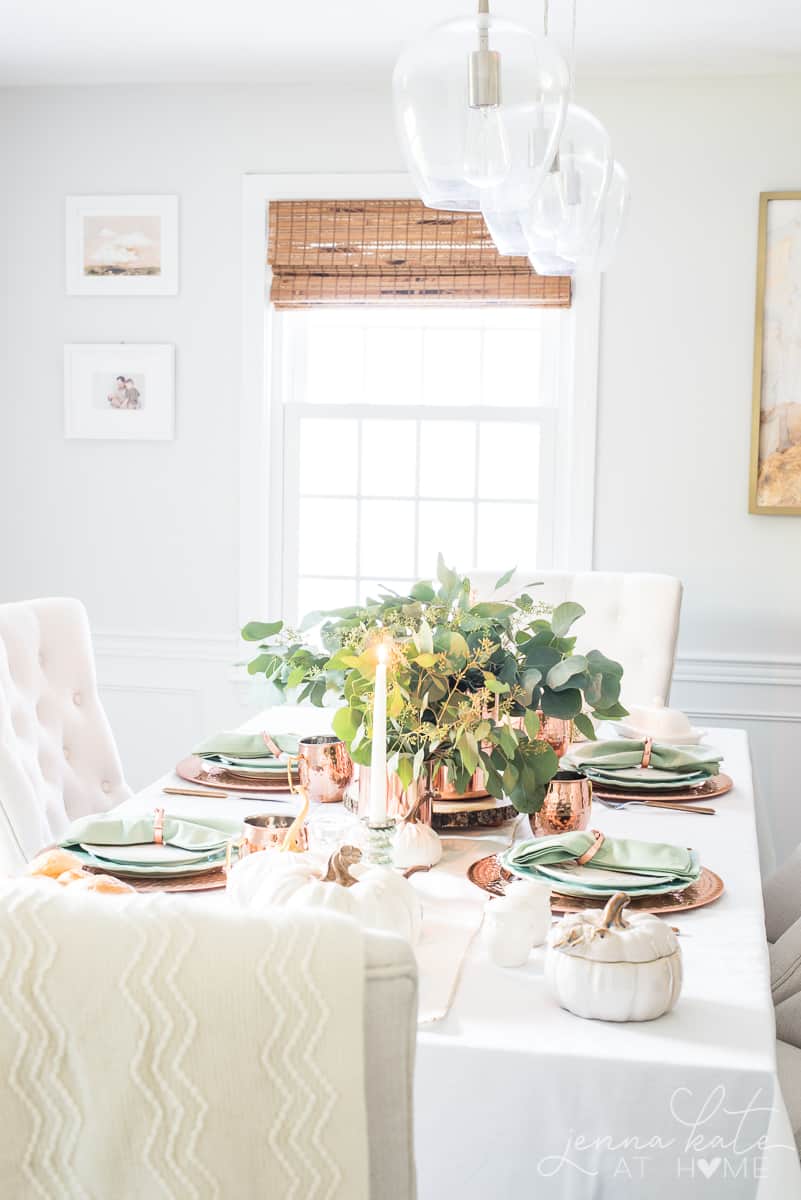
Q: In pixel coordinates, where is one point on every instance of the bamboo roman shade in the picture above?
(396, 252)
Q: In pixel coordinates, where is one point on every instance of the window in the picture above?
(398, 433)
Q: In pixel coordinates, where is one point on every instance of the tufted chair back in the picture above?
(58, 759)
(633, 618)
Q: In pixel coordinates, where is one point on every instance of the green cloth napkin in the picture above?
(616, 854)
(246, 745)
(614, 756)
(205, 835)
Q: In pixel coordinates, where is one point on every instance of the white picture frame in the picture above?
(118, 391)
(122, 245)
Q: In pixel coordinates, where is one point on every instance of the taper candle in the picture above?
(377, 809)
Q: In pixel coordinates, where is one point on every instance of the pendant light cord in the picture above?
(572, 52)
(545, 6)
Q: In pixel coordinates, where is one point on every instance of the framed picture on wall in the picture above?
(775, 485)
(122, 245)
(119, 391)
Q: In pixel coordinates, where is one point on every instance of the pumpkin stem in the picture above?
(338, 865)
(292, 840)
(613, 917)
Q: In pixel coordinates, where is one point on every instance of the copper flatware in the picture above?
(693, 808)
(171, 791)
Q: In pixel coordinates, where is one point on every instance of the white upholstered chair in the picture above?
(782, 895)
(58, 759)
(631, 617)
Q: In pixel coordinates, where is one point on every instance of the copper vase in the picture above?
(567, 805)
(556, 731)
(403, 803)
(445, 790)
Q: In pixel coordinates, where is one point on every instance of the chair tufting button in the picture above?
(41, 658)
(66, 753)
(106, 786)
(77, 699)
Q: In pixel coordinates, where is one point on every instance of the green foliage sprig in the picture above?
(465, 680)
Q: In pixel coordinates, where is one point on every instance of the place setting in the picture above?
(258, 762)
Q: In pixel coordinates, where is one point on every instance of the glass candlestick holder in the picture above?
(379, 843)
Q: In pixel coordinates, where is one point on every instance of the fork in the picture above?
(693, 808)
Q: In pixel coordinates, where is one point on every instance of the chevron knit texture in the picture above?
(167, 1048)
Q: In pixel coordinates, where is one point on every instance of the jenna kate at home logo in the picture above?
(706, 1137)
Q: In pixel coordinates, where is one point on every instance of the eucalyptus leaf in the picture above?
(566, 704)
(504, 579)
(345, 723)
(584, 725)
(259, 664)
(562, 672)
(531, 721)
(564, 615)
(257, 631)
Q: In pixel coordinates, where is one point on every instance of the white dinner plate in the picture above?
(145, 854)
(687, 739)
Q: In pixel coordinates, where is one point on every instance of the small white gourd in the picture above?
(416, 845)
(614, 967)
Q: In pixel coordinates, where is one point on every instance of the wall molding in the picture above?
(182, 647)
(741, 669)
(763, 671)
(735, 716)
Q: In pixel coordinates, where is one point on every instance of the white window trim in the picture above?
(259, 494)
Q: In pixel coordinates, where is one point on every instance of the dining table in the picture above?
(517, 1097)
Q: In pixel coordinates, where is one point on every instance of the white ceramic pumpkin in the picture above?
(247, 877)
(377, 897)
(416, 845)
(611, 966)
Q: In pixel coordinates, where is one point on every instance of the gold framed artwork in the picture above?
(775, 483)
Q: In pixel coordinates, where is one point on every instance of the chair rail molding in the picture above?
(767, 671)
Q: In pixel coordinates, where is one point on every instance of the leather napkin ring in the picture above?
(646, 752)
(158, 826)
(270, 744)
(592, 850)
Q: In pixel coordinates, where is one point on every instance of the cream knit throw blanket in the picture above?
(163, 1048)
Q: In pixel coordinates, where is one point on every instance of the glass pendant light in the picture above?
(534, 132)
(466, 95)
(599, 251)
(563, 212)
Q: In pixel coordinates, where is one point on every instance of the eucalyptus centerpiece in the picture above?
(467, 680)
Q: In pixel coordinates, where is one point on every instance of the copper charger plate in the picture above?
(195, 770)
(716, 785)
(205, 882)
(490, 876)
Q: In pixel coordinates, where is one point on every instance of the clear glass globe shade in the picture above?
(452, 157)
(564, 209)
(551, 264)
(506, 230)
(599, 250)
(533, 132)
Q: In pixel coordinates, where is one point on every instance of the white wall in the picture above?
(147, 533)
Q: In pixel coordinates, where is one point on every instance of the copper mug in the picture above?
(567, 805)
(263, 831)
(325, 767)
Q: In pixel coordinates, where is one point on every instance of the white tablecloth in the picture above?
(517, 1098)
